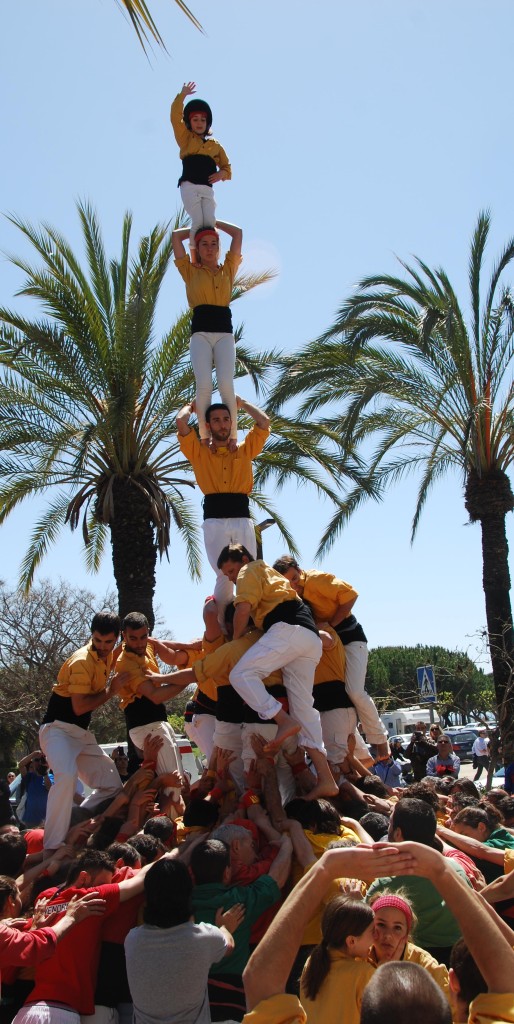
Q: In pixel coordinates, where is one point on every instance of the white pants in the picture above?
(296, 651)
(228, 736)
(355, 682)
(208, 348)
(43, 1013)
(238, 738)
(73, 753)
(198, 201)
(336, 725)
(168, 758)
(201, 731)
(217, 533)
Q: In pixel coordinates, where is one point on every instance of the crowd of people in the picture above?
(298, 878)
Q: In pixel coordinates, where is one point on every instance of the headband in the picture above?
(206, 231)
(397, 903)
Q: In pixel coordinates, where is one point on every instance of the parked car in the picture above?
(463, 738)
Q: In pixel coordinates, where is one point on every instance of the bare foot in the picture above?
(285, 729)
(324, 788)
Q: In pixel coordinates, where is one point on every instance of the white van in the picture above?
(404, 720)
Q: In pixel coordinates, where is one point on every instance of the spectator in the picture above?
(480, 751)
(445, 761)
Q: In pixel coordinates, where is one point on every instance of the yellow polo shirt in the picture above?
(83, 672)
(488, 1008)
(192, 144)
(333, 662)
(205, 287)
(263, 588)
(218, 665)
(224, 472)
(325, 593)
(137, 665)
(340, 996)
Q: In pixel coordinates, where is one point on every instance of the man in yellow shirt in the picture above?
(290, 643)
(226, 479)
(70, 748)
(332, 600)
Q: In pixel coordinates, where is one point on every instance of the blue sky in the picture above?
(356, 133)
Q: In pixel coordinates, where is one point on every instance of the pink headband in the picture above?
(397, 903)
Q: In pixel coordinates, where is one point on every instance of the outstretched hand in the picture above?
(188, 88)
(230, 919)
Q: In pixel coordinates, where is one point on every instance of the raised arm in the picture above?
(257, 414)
(178, 237)
(183, 415)
(82, 703)
(235, 233)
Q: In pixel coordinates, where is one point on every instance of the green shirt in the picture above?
(256, 898)
(436, 925)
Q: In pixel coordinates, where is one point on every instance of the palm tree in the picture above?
(88, 403)
(433, 393)
(143, 23)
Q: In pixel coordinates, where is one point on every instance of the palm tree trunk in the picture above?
(133, 544)
(488, 499)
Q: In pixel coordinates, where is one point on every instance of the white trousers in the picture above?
(44, 1013)
(208, 348)
(198, 201)
(336, 725)
(296, 651)
(73, 753)
(201, 731)
(238, 738)
(355, 682)
(168, 758)
(217, 533)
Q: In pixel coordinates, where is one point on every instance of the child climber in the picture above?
(337, 970)
(204, 161)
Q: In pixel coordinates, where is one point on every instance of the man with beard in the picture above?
(226, 479)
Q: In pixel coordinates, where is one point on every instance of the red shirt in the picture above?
(25, 949)
(70, 976)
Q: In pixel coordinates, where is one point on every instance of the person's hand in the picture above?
(427, 862)
(223, 762)
(217, 176)
(377, 861)
(169, 780)
(19, 923)
(351, 742)
(351, 887)
(232, 444)
(153, 677)
(188, 88)
(151, 746)
(378, 803)
(230, 919)
(118, 682)
(89, 905)
(77, 834)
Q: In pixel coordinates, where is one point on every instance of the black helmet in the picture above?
(196, 107)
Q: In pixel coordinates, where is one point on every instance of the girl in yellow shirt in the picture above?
(337, 971)
(394, 922)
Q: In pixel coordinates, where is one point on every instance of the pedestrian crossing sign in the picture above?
(426, 683)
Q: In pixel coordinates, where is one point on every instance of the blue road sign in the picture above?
(426, 683)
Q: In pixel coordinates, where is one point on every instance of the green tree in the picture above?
(432, 393)
(88, 400)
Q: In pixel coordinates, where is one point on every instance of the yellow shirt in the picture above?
(488, 1008)
(416, 955)
(508, 861)
(137, 665)
(192, 144)
(319, 842)
(263, 589)
(207, 686)
(83, 672)
(333, 662)
(206, 287)
(325, 593)
(218, 665)
(340, 996)
(224, 472)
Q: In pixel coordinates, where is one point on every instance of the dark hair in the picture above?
(124, 852)
(92, 861)
(209, 861)
(471, 981)
(444, 785)
(105, 834)
(466, 786)
(148, 847)
(134, 620)
(202, 813)
(319, 815)
(372, 784)
(161, 827)
(420, 791)
(215, 405)
(397, 992)
(234, 553)
(341, 918)
(475, 816)
(376, 824)
(13, 850)
(8, 888)
(416, 819)
(105, 622)
(168, 893)
(284, 563)
(506, 806)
